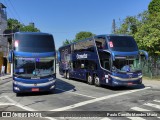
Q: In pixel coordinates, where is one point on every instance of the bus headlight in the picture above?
(16, 88)
(52, 86)
(15, 82)
(53, 81)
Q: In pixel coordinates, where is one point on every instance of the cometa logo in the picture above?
(81, 56)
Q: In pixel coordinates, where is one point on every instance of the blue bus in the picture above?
(112, 60)
(34, 62)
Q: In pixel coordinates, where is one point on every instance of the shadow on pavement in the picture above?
(124, 88)
(61, 86)
(117, 88)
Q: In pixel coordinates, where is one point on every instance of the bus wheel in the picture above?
(97, 81)
(90, 80)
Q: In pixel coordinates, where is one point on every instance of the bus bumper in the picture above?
(126, 83)
(19, 87)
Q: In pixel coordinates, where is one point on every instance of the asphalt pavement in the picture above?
(74, 95)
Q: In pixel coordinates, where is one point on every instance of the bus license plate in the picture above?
(35, 89)
(130, 83)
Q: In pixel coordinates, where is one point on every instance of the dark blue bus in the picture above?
(34, 65)
(113, 60)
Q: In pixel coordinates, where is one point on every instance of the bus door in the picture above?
(106, 63)
(79, 69)
(105, 60)
(82, 71)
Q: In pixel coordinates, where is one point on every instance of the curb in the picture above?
(5, 77)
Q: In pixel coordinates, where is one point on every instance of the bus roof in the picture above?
(34, 42)
(32, 33)
(95, 36)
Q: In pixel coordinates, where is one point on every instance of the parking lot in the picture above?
(74, 95)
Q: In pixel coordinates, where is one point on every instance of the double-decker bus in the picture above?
(113, 60)
(34, 65)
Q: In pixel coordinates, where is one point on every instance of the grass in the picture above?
(153, 78)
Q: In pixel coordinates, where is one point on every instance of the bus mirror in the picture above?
(82, 66)
(143, 53)
(58, 56)
(10, 57)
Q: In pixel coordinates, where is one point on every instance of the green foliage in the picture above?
(14, 24)
(148, 35)
(66, 42)
(154, 7)
(145, 28)
(29, 28)
(79, 36)
(83, 35)
(129, 26)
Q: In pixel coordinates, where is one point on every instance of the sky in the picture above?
(65, 18)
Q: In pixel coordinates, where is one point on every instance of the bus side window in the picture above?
(99, 45)
(106, 65)
(101, 42)
(105, 60)
(77, 64)
(91, 65)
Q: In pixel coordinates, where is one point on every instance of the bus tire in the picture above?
(97, 81)
(89, 79)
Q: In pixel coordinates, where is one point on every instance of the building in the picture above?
(4, 46)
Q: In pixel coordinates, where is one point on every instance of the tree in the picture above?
(79, 36)
(66, 42)
(15, 25)
(148, 36)
(128, 26)
(154, 7)
(83, 35)
(29, 28)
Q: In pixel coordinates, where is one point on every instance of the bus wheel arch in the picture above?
(89, 79)
(97, 81)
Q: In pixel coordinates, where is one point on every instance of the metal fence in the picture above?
(151, 68)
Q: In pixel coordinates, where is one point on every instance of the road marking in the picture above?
(152, 105)
(156, 101)
(136, 118)
(96, 100)
(105, 118)
(75, 93)
(1, 104)
(21, 106)
(139, 109)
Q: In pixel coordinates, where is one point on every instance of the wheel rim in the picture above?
(89, 79)
(97, 81)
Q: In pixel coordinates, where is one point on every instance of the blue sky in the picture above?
(65, 18)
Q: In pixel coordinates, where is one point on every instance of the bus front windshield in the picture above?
(34, 67)
(126, 65)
